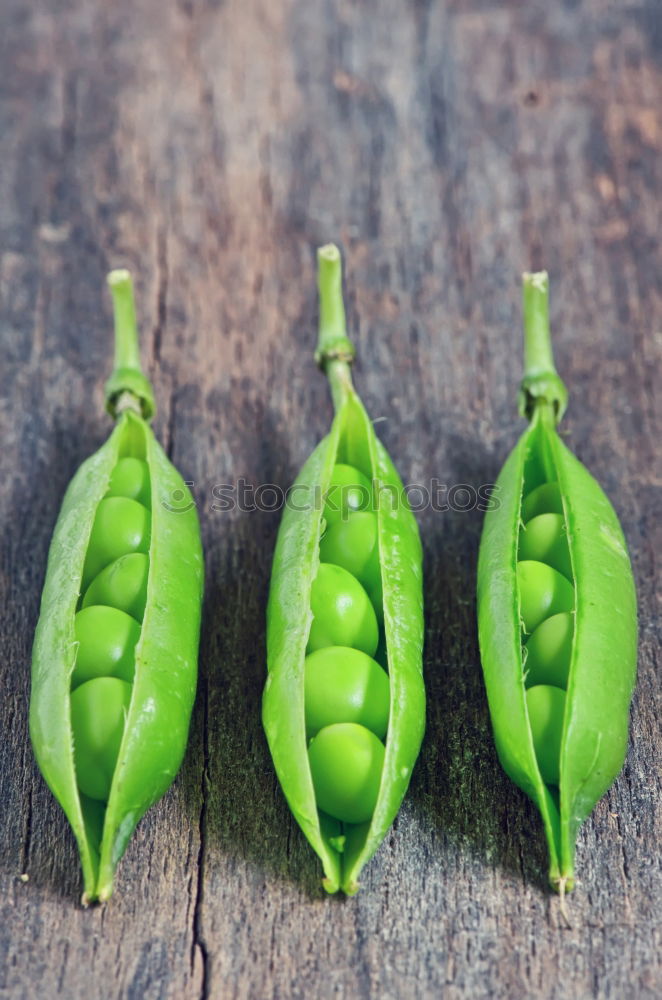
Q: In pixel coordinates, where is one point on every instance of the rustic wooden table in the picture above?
(210, 147)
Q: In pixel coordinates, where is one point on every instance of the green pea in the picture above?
(342, 612)
(583, 636)
(543, 592)
(98, 711)
(353, 545)
(107, 638)
(545, 499)
(349, 491)
(130, 478)
(85, 664)
(122, 585)
(345, 685)
(543, 538)
(346, 764)
(120, 526)
(546, 707)
(548, 651)
(328, 567)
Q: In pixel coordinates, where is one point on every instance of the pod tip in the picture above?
(330, 885)
(329, 252)
(118, 277)
(537, 279)
(564, 883)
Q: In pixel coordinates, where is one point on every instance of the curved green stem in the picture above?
(542, 390)
(335, 351)
(127, 387)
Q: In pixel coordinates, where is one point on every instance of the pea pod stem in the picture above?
(335, 351)
(588, 737)
(542, 390)
(538, 356)
(127, 354)
(127, 387)
(345, 846)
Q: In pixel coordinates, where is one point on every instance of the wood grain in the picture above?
(210, 147)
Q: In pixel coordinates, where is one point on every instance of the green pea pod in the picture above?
(151, 728)
(558, 633)
(344, 848)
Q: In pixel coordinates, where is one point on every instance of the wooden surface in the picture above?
(210, 147)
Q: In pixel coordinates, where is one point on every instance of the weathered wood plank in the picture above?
(210, 147)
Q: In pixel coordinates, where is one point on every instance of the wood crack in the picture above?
(199, 945)
(161, 291)
(169, 436)
(27, 837)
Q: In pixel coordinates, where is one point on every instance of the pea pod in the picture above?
(114, 661)
(557, 616)
(337, 622)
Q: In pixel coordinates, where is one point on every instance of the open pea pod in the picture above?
(557, 614)
(114, 661)
(345, 845)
